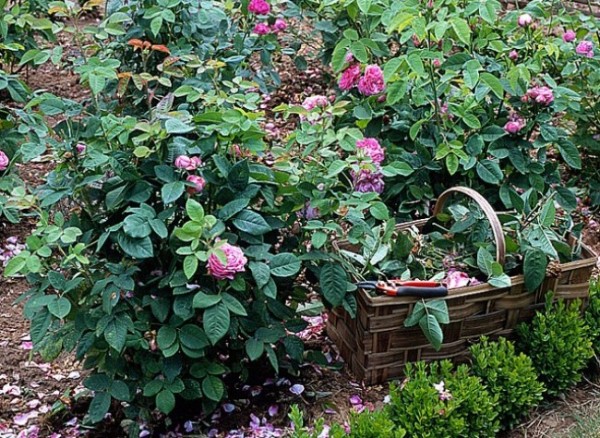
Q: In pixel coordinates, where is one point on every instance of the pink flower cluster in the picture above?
(236, 262)
(370, 83)
(259, 7)
(585, 48)
(367, 180)
(539, 95)
(372, 149)
(444, 394)
(263, 28)
(11, 248)
(515, 123)
(313, 102)
(4, 161)
(455, 279)
(187, 163)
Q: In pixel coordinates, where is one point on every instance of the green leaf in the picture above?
(136, 248)
(566, 198)
(260, 272)
(415, 316)
(232, 208)
(534, 268)
(364, 5)
(153, 387)
(216, 322)
(416, 64)
(234, 305)
(166, 337)
(239, 175)
(494, 83)
(165, 401)
(489, 171)
(359, 51)
(99, 407)
(190, 266)
(272, 356)
(202, 300)
(194, 210)
(192, 336)
(14, 266)
(379, 211)
(171, 192)
(97, 382)
(213, 388)
(176, 126)
(60, 308)
(548, 214)
(484, 261)
(318, 239)
(120, 391)
(285, 265)
(251, 223)
(116, 334)
(439, 309)
(432, 331)
(462, 29)
(254, 348)
(501, 281)
(570, 153)
(333, 283)
(136, 227)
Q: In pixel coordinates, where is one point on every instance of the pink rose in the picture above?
(312, 102)
(372, 149)
(279, 26)
(198, 184)
(236, 262)
(437, 63)
(187, 163)
(349, 78)
(585, 48)
(260, 7)
(372, 81)
(540, 95)
(3, 161)
(455, 279)
(514, 55)
(80, 148)
(512, 127)
(524, 20)
(261, 29)
(569, 36)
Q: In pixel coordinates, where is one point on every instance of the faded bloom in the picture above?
(540, 95)
(366, 181)
(309, 212)
(236, 262)
(585, 48)
(349, 78)
(372, 81)
(261, 29)
(524, 20)
(515, 124)
(80, 148)
(3, 161)
(349, 58)
(455, 279)
(198, 184)
(312, 102)
(372, 149)
(514, 55)
(569, 36)
(280, 25)
(187, 163)
(260, 7)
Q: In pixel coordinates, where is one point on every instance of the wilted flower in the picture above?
(349, 58)
(541, 95)
(297, 389)
(514, 55)
(198, 184)
(372, 81)
(3, 161)
(349, 78)
(261, 29)
(569, 36)
(280, 25)
(455, 279)
(515, 124)
(366, 180)
(260, 7)
(524, 20)
(444, 395)
(273, 410)
(312, 102)
(309, 212)
(585, 48)
(236, 262)
(80, 148)
(372, 149)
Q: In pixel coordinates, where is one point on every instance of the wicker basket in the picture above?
(376, 345)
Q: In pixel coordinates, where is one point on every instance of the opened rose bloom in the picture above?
(372, 81)
(260, 7)
(540, 95)
(261, 29)
(279, 25)
(187, 163)
(524, 20)
(349, 78)
(236, 262)
(3, 161)
(585, 48)
(312, 102)
(372, 149)
(367, 181)
(569, 36)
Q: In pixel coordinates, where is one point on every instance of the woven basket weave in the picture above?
(376, 345)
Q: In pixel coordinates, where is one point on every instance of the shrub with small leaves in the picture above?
(436, 401)
(592, 315)
(511, 376)
(558, 342)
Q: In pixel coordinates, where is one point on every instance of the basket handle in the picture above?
(487, 209)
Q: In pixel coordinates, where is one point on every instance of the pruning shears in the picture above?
(399, 288)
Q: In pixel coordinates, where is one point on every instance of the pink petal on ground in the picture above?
(9, 389)
(27, 345)
(74, 375)
(22, 419)
(355, 400)
(297, 389)
(273, 410)
(32, 404)
(228, 407)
